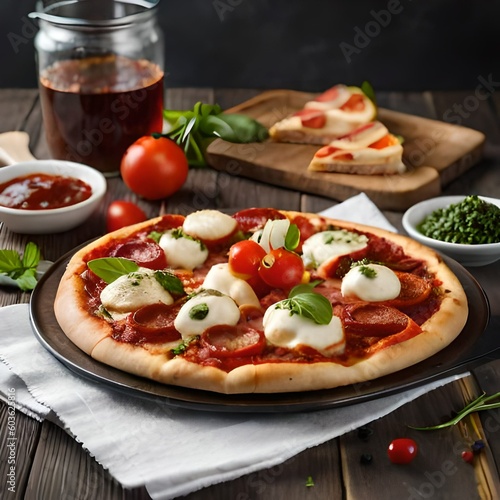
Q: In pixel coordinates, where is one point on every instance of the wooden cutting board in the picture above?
(435, 153)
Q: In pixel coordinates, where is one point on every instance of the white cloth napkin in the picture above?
(171, 451)
(359, 209)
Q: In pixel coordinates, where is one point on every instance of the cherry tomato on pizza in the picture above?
(245, 258)
(154, 168)
(123, 213)
(282, 268)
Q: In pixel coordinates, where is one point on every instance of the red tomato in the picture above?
(402, 450)
(123, 213)
(281, 268)
(312, 118)
(244, 259)
(154, 168)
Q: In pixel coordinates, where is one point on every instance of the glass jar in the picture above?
(100, 67)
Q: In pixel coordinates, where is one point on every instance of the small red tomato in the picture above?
(281, 268)
(244, 259)
(123, 213)
(154, 168)
(402, 450)
(468, 456)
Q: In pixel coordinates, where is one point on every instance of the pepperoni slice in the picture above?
(414, 290)
(306, 228)
(155, 322)
(311, 118)
(241, 340)
(373, 320)
(146, 253)
(251, 219)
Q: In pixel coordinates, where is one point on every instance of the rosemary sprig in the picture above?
(482, 403)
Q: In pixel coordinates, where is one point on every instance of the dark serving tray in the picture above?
(473, 343)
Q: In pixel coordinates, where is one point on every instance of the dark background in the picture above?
(423, 45)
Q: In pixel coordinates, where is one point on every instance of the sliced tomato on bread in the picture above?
(370, 149)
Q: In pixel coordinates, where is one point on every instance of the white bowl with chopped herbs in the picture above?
(466, 228)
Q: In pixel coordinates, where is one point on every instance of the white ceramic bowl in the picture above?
(467, 255)
(57, 219)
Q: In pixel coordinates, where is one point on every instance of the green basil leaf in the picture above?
(234, 128)
(292, 237)
(212, 125)
(111, 268)
(199, 311)
(309, 305)
(31, 256)
(170, 282)
(10, 261)
(314, 306)
(27, 280)
(304, 288)
(155, 236)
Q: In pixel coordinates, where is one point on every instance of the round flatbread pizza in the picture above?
(262, 301)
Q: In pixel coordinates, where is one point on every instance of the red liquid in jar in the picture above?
(95, 108)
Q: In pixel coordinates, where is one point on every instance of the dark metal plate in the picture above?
(474, 342)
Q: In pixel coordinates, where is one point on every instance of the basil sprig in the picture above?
(304, 302)
(481, 403)
(194, 129)
(17, 270)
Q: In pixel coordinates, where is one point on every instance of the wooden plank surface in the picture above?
(435, 153)
(52, 465)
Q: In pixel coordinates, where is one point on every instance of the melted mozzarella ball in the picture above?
(132, 291)
(183, 252)
(284, 329)
(371, 282)
(322, 246)
(221, 279)
(207, 308)
(209, 225)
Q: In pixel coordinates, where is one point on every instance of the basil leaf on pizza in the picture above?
(170, 282)
(184, 308)
(110, 269)
(309, 305)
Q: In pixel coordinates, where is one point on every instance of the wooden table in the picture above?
(51, 465)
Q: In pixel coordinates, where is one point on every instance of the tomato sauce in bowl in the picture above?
(39, 191)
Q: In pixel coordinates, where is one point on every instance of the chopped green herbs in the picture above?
(367, 271)
(473, 221)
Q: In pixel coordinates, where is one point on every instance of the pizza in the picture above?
(370, 149)
(261, 301)
(333, 114)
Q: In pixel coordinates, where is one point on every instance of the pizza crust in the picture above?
(93, 334)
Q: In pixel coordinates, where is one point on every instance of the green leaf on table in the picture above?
(20, 271)
(111, 268)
